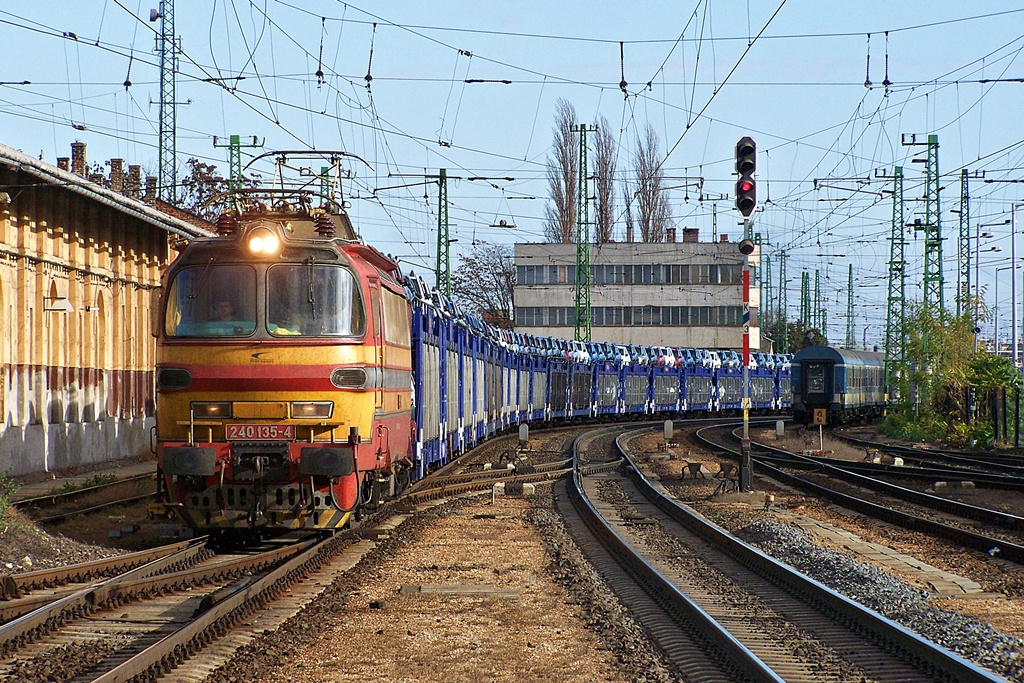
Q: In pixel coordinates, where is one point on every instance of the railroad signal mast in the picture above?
(746, 203)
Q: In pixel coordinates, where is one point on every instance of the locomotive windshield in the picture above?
(212, 301)
(313, 300)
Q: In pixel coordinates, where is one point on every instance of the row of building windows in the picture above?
(643, 316)
(649, 274)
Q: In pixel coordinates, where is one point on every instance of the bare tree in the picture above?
(654, 212)
(562, 172)
(627, 201)
(483, 281)
(604, 172)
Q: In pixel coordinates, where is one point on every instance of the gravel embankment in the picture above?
(890, 597)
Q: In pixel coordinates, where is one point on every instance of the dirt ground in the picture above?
(478, 592)
(25, 547)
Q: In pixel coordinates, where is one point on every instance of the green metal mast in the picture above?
(767, 298)
(818, 312)
(167, 181)
(932, 226)
(894, 320)
(963, 282)
(851, 335)
(805, 299)
(325, 182)
(783, 321)
(234, 148)
(582, 317)
(443, 277)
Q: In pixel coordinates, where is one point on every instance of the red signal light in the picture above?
(746, 185)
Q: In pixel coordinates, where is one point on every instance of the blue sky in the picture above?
(701, 73)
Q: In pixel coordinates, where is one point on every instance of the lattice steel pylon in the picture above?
(963, 282)
(805, 299)
(582, 317)
(783, 322)
(167, 175)
(895, 334)
(768, 300)
(932, 226)
(818, 312)
(851, 334)
(443, 277)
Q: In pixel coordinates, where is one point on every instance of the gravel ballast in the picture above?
(882, 592)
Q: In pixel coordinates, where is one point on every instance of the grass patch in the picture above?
(97, 480)
(7, 488)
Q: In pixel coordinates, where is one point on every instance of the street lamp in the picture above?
(995, 331)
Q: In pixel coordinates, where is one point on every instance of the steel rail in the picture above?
(14, 586)
(912, 648)
(732, 655)
(26, 628)
(51, 499)
(969, 539)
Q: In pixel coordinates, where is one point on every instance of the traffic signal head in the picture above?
(746, 156)
(746, 167)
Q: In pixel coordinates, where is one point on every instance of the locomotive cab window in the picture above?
(314, 300)
(212, 300)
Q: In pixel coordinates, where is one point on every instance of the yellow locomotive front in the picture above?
(279, 405)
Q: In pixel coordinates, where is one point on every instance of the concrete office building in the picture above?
(687, 293)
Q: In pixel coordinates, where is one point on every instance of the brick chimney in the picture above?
(691, 234)
(64, 163)
(117, 175)
(670, 235)
(723, 238)
(133, 183)
(150, 197)
(78, 158)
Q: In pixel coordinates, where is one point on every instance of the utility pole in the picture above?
(582, 317)
(851, 335)
(768, 300)
(783, 321)
(894, 319)
(932, 227)
(166, 46)
(805, 299)
(963, 282)
(442, 272)
(234, 148)
(819, 313)
(443, 276)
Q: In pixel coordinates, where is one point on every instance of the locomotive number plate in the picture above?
(260, 432)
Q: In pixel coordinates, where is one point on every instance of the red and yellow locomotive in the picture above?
(284, 392)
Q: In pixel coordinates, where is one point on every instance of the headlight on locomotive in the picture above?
(308, 409)
(214, 410)
(173, 378)
(263, 242)
(349, 378)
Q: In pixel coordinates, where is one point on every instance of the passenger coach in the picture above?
(848, 384)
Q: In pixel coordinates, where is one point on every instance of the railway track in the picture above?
(154, 617)
(726, 611)
(59, 505)
(958, 522)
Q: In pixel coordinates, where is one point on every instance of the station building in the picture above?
(687, 293)
(80, 256)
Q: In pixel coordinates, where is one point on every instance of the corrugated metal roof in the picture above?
(20, 161)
